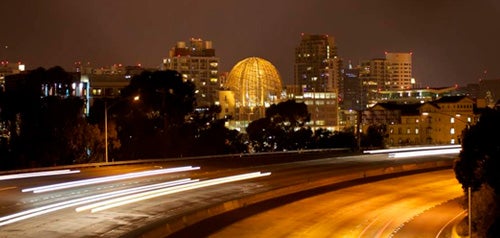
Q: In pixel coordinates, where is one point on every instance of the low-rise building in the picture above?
(435, 122)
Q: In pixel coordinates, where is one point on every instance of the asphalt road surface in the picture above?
(27, 213)
(419, 205)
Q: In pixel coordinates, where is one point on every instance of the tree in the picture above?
(324, 139)
(283, 128)
(374, 136)
(155, 127)
(43, 126)
(477, 168)
(164, 95)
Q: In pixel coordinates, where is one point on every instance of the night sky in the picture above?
(453, 42)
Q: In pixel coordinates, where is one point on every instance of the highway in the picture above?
(27, 209)
(419, 205)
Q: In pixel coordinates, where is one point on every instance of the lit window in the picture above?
(452, 120)
(97, 91)
(452, 131)
(416, 131)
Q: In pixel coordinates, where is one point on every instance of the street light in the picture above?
(106, 108)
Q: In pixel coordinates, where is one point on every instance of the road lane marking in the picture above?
(450, 221)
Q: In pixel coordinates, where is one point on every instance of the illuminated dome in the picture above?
(255, 82)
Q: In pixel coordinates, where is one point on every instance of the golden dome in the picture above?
(255, 82)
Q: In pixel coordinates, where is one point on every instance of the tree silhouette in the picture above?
(155, 126)
(477, 168)
(283, 128)
(43, 117)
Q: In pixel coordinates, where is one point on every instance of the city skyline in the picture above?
(453, 42)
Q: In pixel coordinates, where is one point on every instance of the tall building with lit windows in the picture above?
(196, 62)
(374, 76)
(318, 76)
(317, 66)
(399, 69)
(394, 72)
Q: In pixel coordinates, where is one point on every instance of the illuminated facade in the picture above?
(416, 95)
(255, 84)
(317, 66)
(394, 72)
(437, 122)
(323, 108)
(399, 69)
(196, 62)
(318, 77)
(373, 74)
(8, 68)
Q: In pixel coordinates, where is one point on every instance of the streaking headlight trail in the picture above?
(38, 174)
(84, 182)
(80, 201)
(411, 149)
(108, 200)
(424, 153)
(100, 206)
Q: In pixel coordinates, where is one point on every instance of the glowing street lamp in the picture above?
(106, 108)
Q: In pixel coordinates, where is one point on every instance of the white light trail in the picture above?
(411, 149)
(424, 153)
(80, 201)
(38, 174)
(84, 182)
(130, 194)
(100, 206)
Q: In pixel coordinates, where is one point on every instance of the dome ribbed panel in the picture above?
(255, 81)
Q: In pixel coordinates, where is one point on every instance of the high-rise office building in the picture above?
(374, 76)
(317, 66)
(353, 97)
(399, 68)
(394, 72)
(196, 62)
(318, 76)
